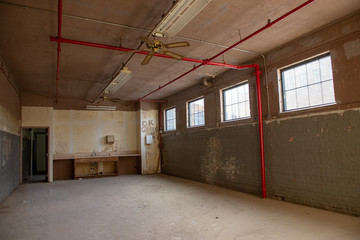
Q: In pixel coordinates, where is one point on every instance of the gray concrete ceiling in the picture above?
(26, 26)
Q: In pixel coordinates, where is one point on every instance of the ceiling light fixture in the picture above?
(179, 15)
(99, 108)
(119, 80)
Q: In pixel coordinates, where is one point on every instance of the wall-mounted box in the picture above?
(110, 139)
(149, 139)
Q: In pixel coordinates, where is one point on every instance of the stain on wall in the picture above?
(9, 133)
(352, 49)
(315, 160)
(311, 156)
(78, 131)
(9, 163)
(150, 154)
(225, 156)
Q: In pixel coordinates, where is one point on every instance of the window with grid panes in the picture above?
(196, 113)
(308, 84)
(236, 103)
(170, 119)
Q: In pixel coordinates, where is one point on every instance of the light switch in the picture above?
(149, 139)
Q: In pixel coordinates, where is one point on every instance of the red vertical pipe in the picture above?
(58, 51)
(261, 132)
(160, 136)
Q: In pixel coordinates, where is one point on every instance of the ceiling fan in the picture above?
(108, 99)
(156, 46)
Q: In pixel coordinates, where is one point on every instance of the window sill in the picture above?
(237, 121)
(307, 111)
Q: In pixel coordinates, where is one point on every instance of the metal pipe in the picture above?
(98, 45)
(191, 70)
(160, 136)
(121, 26)
(58, 52)
(234, 45)
(205, 62)
(270, 24)
(261, 132)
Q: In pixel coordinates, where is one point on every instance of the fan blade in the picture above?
(173, 55)
(132, 51)
(147, 41)
(147, 58)
(177, 44)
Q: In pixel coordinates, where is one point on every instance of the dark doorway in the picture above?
(35, 155)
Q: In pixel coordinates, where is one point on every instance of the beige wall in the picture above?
(78, 131)
(9, 102)
(37, 116)
(8, 122)
(149, 126)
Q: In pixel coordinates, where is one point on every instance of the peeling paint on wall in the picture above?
(150, 153)
(36, 116)
(9, 133)
(8, 123)
(211, 160)
(352, 49)
(86, 131)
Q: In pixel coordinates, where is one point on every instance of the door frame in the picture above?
(47, 128)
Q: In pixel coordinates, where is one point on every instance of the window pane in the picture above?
(234, 96)
(315, 95)
(235, 104)
(247, 108)
(196, 112)
(326, 71)
(290, 100)
(242, 108)
(170, 119)
(289, 79)
(300, 76)
(328, 92)
(313, 84)
(228, 112)
(302, 97)
(313, 72)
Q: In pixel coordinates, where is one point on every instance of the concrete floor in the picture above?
(160, 207)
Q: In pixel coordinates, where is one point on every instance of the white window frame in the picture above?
(188, 112)
(282, 100)
(223, 101)
(166, 119)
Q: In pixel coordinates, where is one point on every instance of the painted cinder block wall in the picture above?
(9, 133)
(311, 156)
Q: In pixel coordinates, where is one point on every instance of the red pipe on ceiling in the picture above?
(258, 88)
(270, 24)
(209, 61)
(58, 52)
(98, 45)
(202, 62)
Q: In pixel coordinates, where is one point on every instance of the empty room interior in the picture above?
(180, 119)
